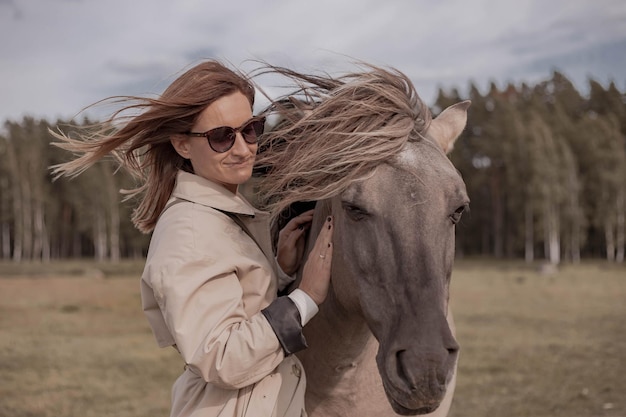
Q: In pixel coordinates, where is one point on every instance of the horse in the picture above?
(385, 330)
(382, 344)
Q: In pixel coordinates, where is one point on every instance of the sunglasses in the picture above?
(222, 138)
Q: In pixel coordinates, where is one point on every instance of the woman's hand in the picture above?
(291, 241)
(316, 273)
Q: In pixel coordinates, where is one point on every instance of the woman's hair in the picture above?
(333, 132)
(141, 143)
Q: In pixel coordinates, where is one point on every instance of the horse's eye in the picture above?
(354, 212)
(456, 216)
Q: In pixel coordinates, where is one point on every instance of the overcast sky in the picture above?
(58, 56)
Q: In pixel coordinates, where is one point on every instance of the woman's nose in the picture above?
(240, 147)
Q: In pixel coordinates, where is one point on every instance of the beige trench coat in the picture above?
(204, 284)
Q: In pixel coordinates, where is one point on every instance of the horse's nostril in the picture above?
(454, 348)
(414, 374)
(401, 371)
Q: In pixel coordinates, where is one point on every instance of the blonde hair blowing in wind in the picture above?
(334, 131)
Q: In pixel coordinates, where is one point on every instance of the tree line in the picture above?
(545, 169)
(42, 219)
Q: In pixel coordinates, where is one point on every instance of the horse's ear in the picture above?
(447, 127)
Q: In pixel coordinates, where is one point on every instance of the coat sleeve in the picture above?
(194, 268)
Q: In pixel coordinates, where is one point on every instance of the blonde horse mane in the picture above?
(334, 131)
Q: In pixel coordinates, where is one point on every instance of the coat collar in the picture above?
(199, 190)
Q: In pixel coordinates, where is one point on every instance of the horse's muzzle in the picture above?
(415, 381)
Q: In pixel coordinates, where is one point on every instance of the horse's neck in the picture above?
(340, 360)
(344, 334)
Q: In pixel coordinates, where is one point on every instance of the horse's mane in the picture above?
(335, 131)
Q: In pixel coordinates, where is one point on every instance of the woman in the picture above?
(210, 281)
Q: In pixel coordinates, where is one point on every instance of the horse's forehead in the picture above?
(418, 171)
(408, 157)
(427, 162)
(415, 154)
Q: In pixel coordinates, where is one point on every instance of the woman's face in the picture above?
(232, 167)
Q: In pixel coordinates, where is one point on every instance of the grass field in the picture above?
(74, 342)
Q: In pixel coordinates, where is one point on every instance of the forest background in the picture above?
(545, 168)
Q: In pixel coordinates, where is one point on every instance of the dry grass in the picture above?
(532, 345)
(80, 346)
(540, 346)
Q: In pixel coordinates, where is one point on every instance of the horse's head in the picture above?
(365, 147)
(394, 250)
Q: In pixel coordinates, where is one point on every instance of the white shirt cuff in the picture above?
(305, 304)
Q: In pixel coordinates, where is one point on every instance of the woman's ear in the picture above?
(180, 144)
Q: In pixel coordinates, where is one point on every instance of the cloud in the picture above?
(59, 56)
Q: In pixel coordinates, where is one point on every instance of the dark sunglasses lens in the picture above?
(252, 131)
(221, 139)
